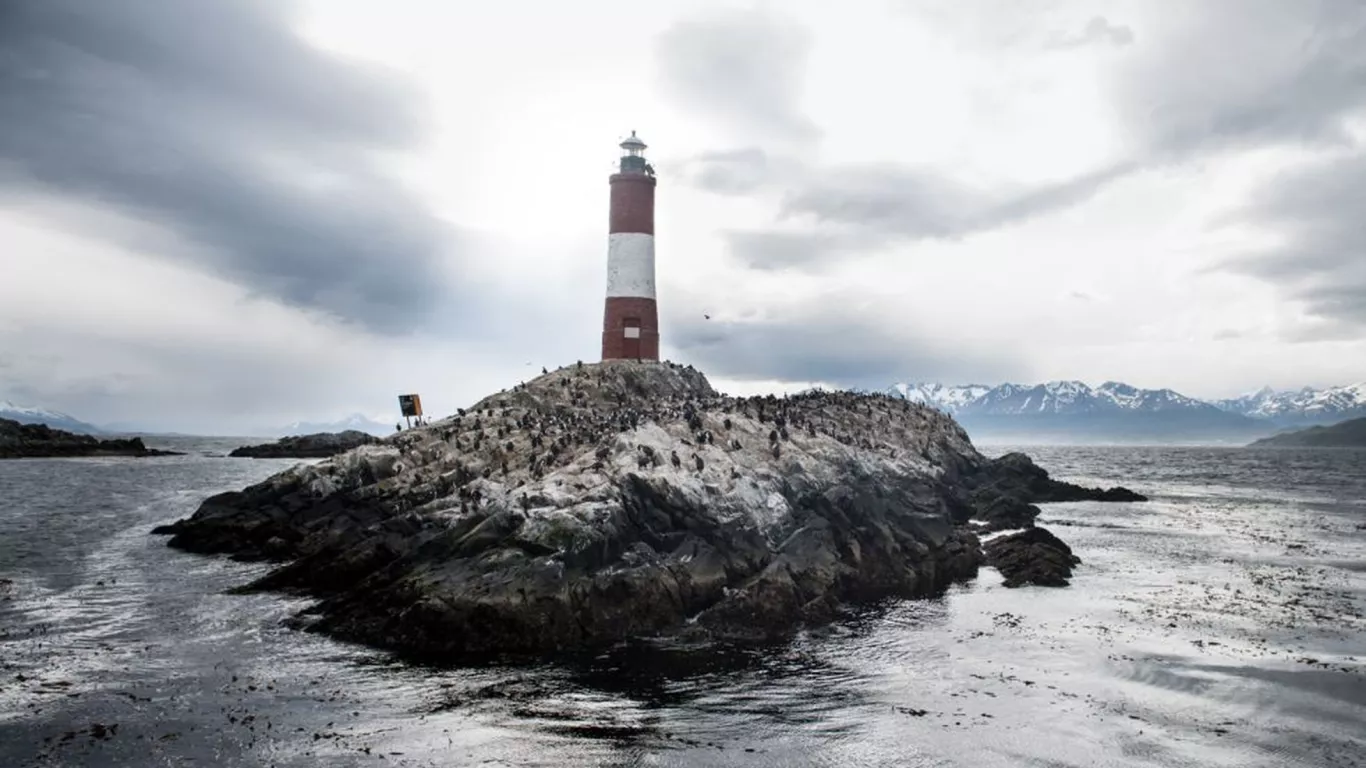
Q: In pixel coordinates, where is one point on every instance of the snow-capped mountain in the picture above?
(945, 398)
(1055, 397)
(1073, 410)
(55, 419)
(1132, 398)
(1302, 406)
(355, 421)
(1118, 411)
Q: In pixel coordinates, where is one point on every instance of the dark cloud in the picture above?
(887, 198)
(858, 209)
(906, 202)
(1252, 74)
(1246, 73)
(1230, 74)
(214, 121)
(1320, 255)
(783, 250)
(744, 67)
(1098, 31)
(179, 384)
(832, 341)
(734, 171)
(862, 207)
(1212, 75)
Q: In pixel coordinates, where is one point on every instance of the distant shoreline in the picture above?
(38, 441)
(1346, 434)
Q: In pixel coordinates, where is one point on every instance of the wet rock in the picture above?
(317, 446)
(21, 441)
(1001, 493)
(1032, 556)
(549, 517)
(1016, 475)
(1000, 512)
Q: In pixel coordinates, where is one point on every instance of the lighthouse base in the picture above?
(630, 329)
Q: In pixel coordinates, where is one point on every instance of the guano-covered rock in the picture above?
(620, 500)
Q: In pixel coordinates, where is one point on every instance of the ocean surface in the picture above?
(1223, 623)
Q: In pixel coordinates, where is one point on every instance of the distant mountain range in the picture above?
(54, 419)
(59, 420)
(355, 421)
(1071, 411)
(1301, 406)
(1056, 411)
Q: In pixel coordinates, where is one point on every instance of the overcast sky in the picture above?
(218, 216)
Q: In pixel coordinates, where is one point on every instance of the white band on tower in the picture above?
(631, 265)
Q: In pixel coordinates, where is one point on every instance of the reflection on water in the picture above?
(1219, 624)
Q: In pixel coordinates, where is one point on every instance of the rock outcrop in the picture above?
(1004, 494)
(1006, 489)
(618, 500)
(1032, 556)
(31, 441)
(318, 446)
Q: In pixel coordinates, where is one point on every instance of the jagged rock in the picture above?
(1032, 556)
(1014, 474)
(549, 516)
(317, 446)
(998, 512)
(1003, 494)
(20, 441)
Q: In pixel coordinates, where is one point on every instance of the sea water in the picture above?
(1219, 624)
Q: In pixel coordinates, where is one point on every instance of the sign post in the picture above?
(411, 406)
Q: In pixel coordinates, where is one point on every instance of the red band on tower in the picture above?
(633, 204)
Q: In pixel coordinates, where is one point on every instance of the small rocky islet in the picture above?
(622, 500)
(34, 441)
(321, 445)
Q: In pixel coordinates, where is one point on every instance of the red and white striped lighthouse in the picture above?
(630, 323)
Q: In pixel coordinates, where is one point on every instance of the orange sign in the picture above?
(411, 405)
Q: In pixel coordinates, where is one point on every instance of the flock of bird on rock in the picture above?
(524, 433)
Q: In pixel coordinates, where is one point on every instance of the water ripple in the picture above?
(1220, 624)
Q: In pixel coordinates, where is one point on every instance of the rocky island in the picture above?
(1346, 434)
(317, 446)
(32, 441)
(619, 500)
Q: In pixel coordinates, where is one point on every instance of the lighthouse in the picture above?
(630, 321)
